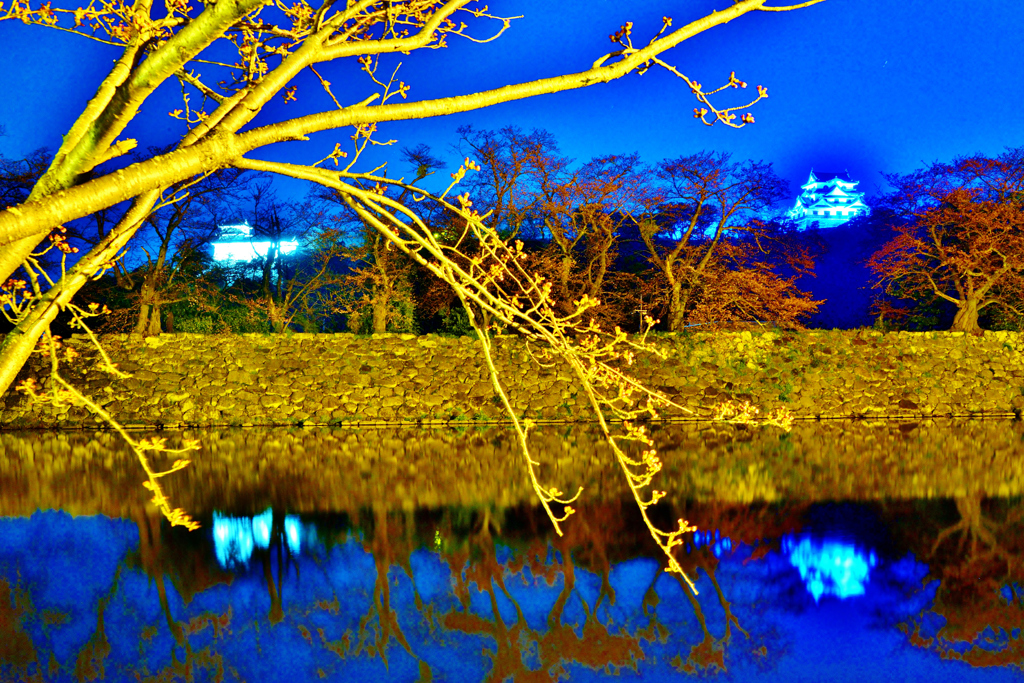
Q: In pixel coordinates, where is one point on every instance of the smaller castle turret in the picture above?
(828, 199)
(236, 244)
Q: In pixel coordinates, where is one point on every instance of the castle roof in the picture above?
(237, 232)
(825, 176)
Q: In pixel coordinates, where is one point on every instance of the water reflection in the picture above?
(235, 538)
(489, 594)
(321, 470)
(828, 566)
(402, 554)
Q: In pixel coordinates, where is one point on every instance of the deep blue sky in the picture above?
(869, 85)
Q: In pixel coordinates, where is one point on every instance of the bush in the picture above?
(455, 322)
(198, 325)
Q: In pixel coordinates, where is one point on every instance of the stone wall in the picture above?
(181, 379)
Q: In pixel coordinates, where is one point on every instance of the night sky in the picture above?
(870, 86)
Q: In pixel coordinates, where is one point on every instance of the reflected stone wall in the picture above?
(183, 380)
(335, 469)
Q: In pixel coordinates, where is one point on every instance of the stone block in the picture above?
(271, 402)
(239, 377)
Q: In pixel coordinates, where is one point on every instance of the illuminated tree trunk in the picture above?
(142, 320)
(600, 264)
(155, 326)
(382, 286)
(966, 319)
(564, 274)
(380, 312)
(148, 321)
(677, 307)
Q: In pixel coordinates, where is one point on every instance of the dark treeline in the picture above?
(696, 242)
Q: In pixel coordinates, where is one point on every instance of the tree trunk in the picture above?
(268, 271)
(147, 306)
(684, 303)
(154, 320)
(677, 308)
(564, 273)
(383, 287)
(597, 283)
(380, 313)
(966, 319)
(142, 321)
(148, 322)
(273, 315)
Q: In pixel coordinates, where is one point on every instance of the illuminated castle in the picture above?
(236, 244)
(828, 199)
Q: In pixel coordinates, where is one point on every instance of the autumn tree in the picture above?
(584, 214)
(961, 239)
(511, 162)
(751, 294)
(692, 240)
(179, 233)
(376, 293)
(378, 288)
(526, 188)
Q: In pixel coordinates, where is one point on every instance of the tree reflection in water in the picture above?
(484, 594)
(978, 612)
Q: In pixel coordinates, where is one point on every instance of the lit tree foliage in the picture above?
(511, 162)
(584, 212)
(963, 237)
(525, 188)
(694, 241)
(376, 293)
(737, 294)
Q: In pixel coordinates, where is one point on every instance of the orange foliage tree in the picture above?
(376, 293)
(962, 240)
(525, 188)
(751, 292)
(706, 241)
(584, 212)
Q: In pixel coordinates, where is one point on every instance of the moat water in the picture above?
(314, 562)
